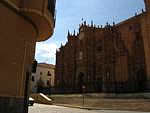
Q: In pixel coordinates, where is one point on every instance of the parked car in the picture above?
(31, 101)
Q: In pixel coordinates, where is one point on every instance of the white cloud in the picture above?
(45, 52)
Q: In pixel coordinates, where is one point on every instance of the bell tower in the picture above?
(147, 5)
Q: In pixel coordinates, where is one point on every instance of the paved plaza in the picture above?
(39, 108)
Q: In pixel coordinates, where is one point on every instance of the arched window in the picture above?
(108, 75)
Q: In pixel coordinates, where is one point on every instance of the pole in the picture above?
(83, 99)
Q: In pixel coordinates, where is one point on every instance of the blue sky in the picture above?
(70, 14)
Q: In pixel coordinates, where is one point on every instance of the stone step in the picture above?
(41, 98)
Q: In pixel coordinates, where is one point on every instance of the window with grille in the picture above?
(33, 78)
(48, 73)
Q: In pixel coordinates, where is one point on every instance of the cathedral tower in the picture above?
(147, 5)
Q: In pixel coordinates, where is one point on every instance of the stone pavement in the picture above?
(39, 108)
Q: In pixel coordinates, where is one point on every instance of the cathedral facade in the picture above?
(114, 58)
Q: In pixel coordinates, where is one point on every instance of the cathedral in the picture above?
(110, 59)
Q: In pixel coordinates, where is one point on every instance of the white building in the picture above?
(45, 74)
